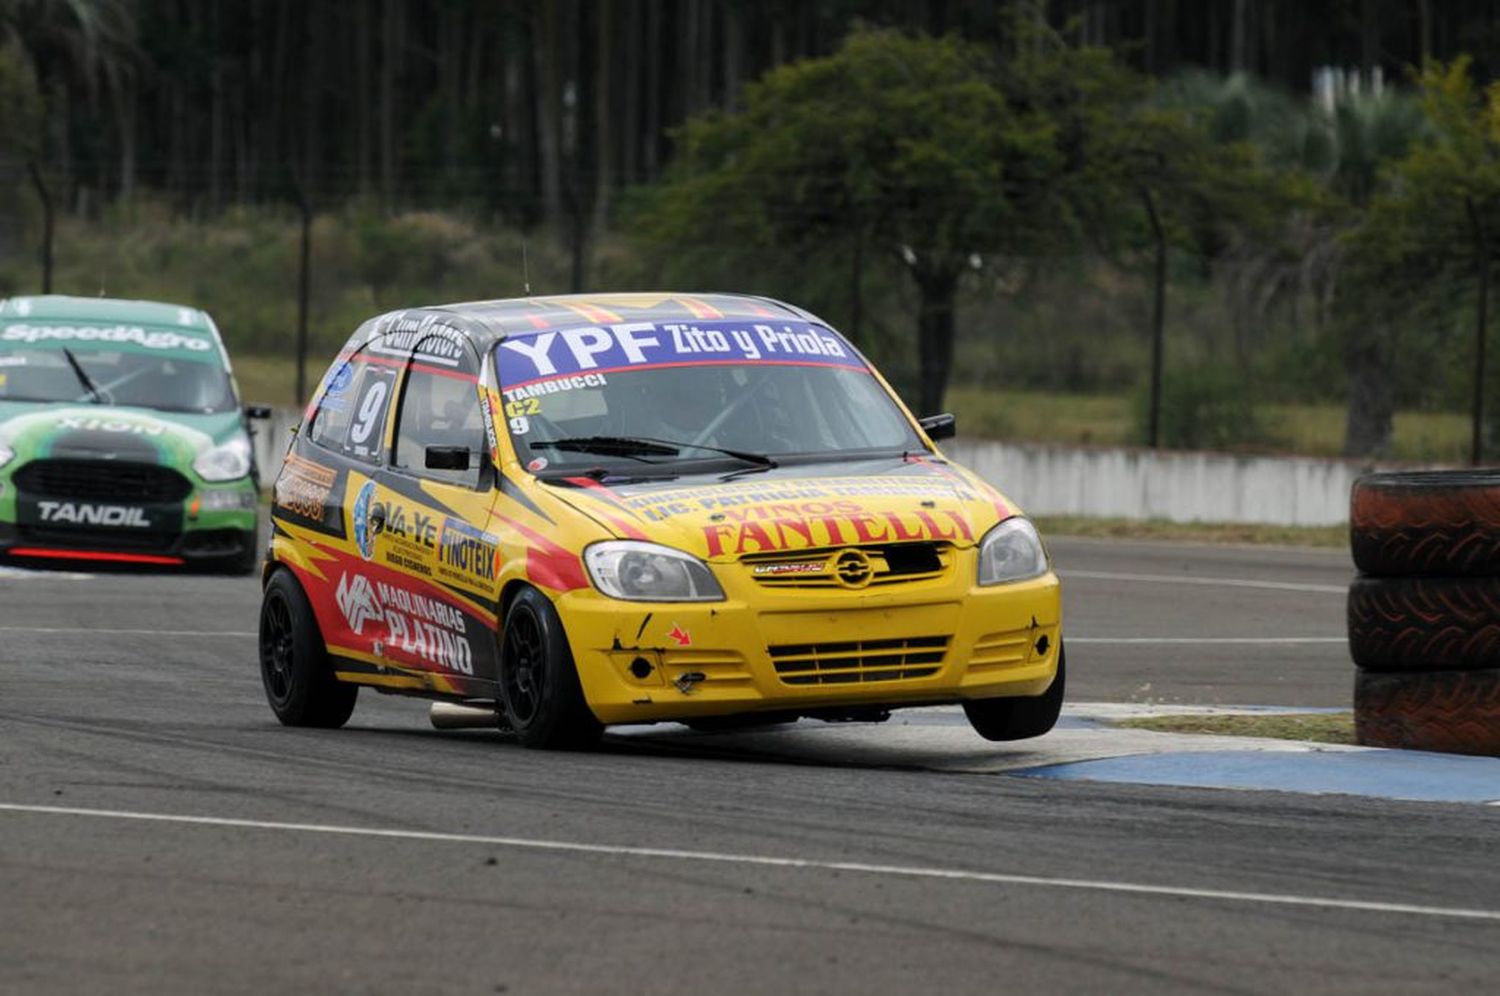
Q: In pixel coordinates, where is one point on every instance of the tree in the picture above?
(1333, 155)
(906, 144)
(1197, 188)
(1437, 222)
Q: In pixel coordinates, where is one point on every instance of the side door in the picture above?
(328, 487)
(436, 493)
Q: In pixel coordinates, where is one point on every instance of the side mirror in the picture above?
(448, 458)
(258, 412)
(943, 426)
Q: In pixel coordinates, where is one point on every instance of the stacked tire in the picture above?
(1424, 614)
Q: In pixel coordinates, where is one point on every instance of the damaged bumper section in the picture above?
(813, 654)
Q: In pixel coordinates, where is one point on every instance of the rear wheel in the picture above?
(1020, 718)
(540, 696)
(294, 665)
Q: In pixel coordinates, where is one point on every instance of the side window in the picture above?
(351, 414)
(439, 407)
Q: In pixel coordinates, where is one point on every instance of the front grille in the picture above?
(894, 563)
(106, 480)
(96, 539)
(859, 661)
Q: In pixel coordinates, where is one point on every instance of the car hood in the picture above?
(866, 503)
(103, 432)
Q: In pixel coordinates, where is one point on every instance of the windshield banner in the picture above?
(530, 357)
(132, 338)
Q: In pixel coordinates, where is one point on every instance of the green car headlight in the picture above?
(226, 462)
(1012, 551)
(6, 455)
(646, 572)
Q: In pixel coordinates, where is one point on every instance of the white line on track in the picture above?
(1331, 589)
(73, 630)
(767, 861)
(1191, 640)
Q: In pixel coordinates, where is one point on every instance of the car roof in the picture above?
(498, 319)
(64, 308)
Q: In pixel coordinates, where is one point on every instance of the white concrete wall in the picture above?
(1099, 481)
(1177, 486)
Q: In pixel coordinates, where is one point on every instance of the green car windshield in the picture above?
(99, 373)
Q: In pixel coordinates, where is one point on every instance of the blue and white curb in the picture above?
(1085, 746)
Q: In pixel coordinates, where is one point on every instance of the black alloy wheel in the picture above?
(294, 665)
(540, 696)
(525, 673)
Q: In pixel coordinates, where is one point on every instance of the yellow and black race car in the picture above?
(583, 511)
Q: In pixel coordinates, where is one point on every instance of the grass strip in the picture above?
(1318, 727)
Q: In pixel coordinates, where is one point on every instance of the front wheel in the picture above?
(540, 695)
(294, 665)
(1020, 718)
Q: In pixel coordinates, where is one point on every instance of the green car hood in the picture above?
(103, 432)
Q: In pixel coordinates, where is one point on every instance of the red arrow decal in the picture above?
(680, 635)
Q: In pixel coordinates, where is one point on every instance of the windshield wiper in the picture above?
(759, 459)
(639, 446)
(623, 446)
(95, 391)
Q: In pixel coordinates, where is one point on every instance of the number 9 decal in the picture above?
(368, 415)
(520, 425)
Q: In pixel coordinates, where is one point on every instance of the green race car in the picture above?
(122, 439)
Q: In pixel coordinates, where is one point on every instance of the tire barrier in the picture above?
(1426, 524)
(1419, 624)
(1453, 711)
(1424, 616)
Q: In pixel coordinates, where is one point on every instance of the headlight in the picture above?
(645, 572)
(6, 455)
(1012, 551)
(227, 462)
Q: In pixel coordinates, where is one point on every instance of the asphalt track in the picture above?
(160, 833)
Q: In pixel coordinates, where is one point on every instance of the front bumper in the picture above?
(760, 650)
(214, 523)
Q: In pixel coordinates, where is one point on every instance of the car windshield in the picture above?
(626, 396)
(83, 373)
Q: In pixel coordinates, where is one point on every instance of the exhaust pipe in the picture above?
(453, 716)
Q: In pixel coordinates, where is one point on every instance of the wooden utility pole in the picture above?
(1158, 319)
(47, 224)
(304, 290)
(1481, 251)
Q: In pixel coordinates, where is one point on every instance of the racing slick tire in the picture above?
(294, 665)
(540, 697)
(1456, 712)
(1426, 523)
(1020, 718)
(1421, 624)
